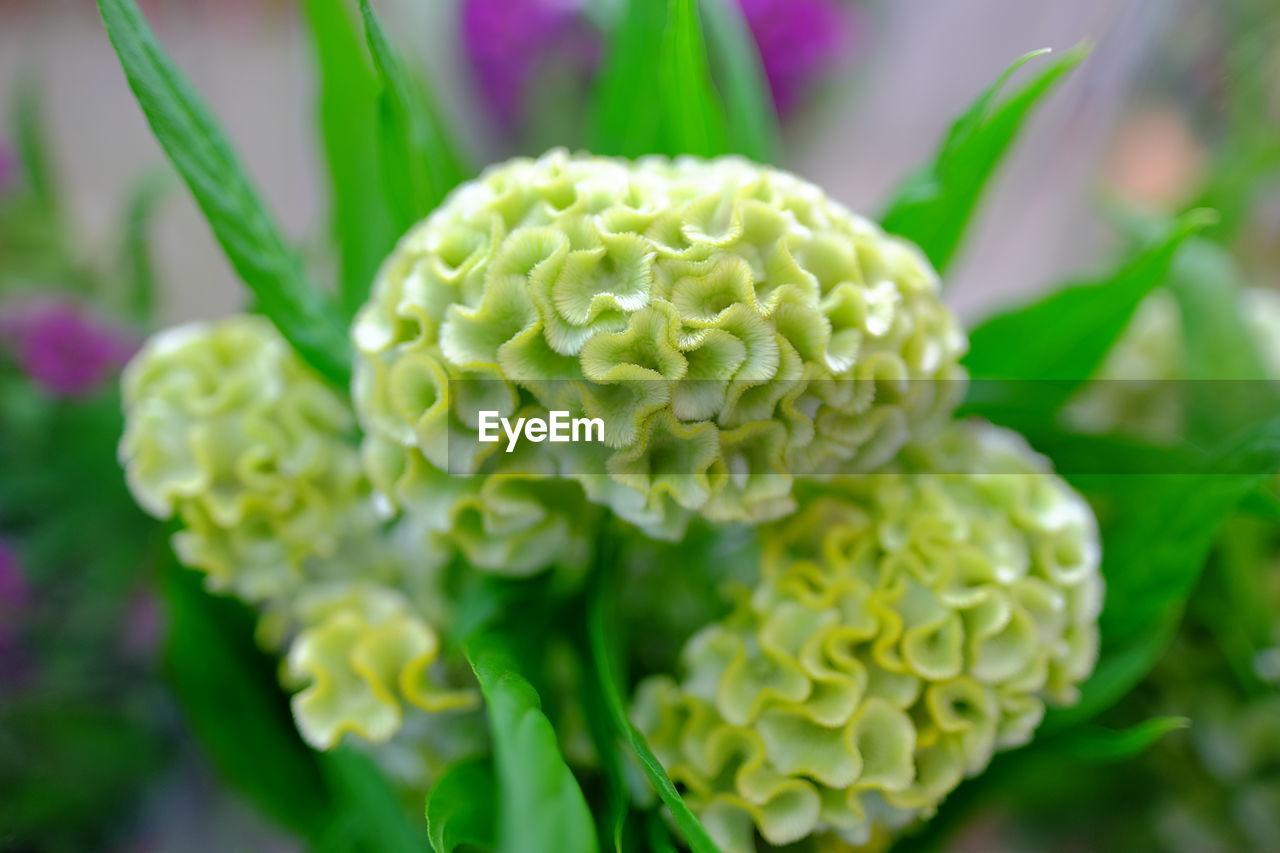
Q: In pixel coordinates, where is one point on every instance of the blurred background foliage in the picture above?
(115, 727)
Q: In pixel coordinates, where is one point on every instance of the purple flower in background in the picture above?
(798, 40)
(63, 349)
(507, 41)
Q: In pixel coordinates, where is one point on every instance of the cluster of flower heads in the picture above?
(742, 338)
(729, 324)
(906, 625)
(231, 433)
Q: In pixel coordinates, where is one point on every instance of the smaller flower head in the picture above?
(63, 349)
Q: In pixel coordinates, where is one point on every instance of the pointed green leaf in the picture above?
(542, 807)
(347, 110)
(417, 159)
(692, 117)
(1097, 745)
(752, 122)
(242, 225)
(655, 94)
(1051, 347)
(626, 115)
(461, 808)
(135, 251)
(34, 149)
(368, 814)
(231, 700)
(933, 206)
(605, 657)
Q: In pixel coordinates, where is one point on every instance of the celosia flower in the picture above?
(907, 625)
(63, 349)
(730, 325)
(360, 649)
(227, 429)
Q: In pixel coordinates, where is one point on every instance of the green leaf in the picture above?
(1155, 542)
(419, 163)
(752, 122)
(369, 816)
(135, 251)
(232, 702)
(626, 115)
(692, 117)
(543, 809)
(1098, 745)
(933, 206)
(461, 807)
(34, 149)
(243, 227)
(1051, 347)
(605, 657)
(655, 94)
(347, 108)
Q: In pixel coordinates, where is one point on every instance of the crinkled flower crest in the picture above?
(730, 324)
(229, 431)
(907, 625)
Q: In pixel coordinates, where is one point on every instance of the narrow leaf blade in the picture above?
(231, 701)
(1098, 745)
(461, 807)
(606, 671)
(240, 222)
(626, 115)
(347, 112)
(752, 121)
(933, 206)
(543, 808)
(692, 117)
(419, 162)
(1058, 342)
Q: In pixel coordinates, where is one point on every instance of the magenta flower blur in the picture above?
(508, 41)
(63, 349)
(798, 40)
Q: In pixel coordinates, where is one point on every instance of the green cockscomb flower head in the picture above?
(363, 652)
(907, 624)
(729, 324)
(228, 430)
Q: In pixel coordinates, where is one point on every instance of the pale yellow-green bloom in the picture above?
(729, 323)
(361, 652)
(229, 431)
(907, 624)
